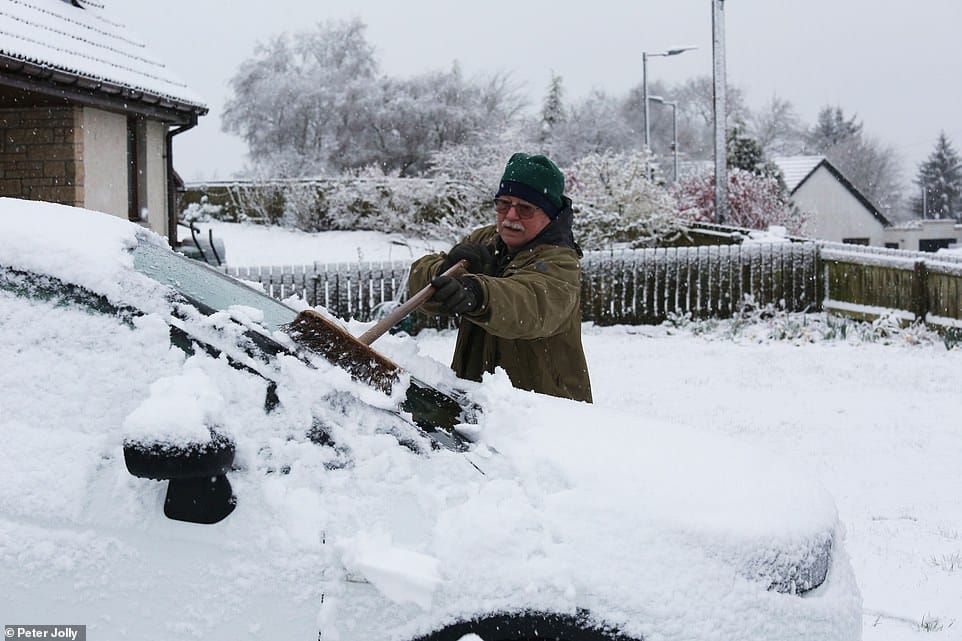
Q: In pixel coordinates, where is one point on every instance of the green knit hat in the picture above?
(536, 179)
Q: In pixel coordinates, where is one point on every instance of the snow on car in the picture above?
(279, 497)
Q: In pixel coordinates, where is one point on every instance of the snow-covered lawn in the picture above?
(877, 421)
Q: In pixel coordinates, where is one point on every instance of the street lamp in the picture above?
(644, 80)
(674, 132)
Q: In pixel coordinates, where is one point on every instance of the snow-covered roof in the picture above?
(796, 169)
(76, 44)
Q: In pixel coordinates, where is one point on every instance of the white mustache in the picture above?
(516, 226)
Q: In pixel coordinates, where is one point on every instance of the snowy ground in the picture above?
(874, 415)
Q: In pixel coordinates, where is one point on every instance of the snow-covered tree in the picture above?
(300, 99)
(940, 183)
(744, 152)
(754, 201)
(616, 203)
(696, 116)
(595, 125)
(553, 110)
(421, 115)
(832, 128)
(314, 103)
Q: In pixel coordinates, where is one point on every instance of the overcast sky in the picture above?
(894, 63)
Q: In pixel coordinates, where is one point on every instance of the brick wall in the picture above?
(41, 154)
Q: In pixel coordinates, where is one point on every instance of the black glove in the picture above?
(479, 257)
(458, 295)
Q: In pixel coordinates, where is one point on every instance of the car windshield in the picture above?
(206, 285)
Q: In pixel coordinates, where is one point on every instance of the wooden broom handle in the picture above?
(406, 308)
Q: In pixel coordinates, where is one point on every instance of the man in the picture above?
(520, 302)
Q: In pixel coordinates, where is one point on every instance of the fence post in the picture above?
(920, 290)
(820, 278)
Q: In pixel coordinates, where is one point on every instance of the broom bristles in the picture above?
(319, 334)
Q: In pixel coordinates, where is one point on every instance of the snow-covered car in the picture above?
(176, 466)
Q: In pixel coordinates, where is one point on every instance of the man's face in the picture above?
(518, 221)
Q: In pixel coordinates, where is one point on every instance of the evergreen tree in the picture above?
(553, 110)
(744, 152)
(940, 183)
(832, 129)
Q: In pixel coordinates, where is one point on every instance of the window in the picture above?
(891, 245)
(855, 241)
(136, 169)
(934, 244)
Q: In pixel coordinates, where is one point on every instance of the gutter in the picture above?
(171, 186)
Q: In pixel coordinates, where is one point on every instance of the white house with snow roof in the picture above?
(87, 114)
(837, 209)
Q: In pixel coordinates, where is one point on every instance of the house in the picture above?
(87, 114)
(928, 235)
(837, 210)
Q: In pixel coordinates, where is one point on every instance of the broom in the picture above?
(321, 335)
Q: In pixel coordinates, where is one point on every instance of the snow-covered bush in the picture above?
(765, 323)
(422, 207)
(615, 201)
(754, 201)
(201, 212)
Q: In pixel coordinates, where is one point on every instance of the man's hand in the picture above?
(458, 295)
(479, 257)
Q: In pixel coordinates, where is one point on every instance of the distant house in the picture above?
(837, 209)
(87, 114)
(928, 235)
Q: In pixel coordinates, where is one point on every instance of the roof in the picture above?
(76, 46)
(795, 169)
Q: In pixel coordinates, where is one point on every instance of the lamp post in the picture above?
(674, 132)
(644, 80)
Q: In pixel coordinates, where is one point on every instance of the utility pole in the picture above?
(719, 109)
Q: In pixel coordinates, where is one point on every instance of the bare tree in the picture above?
(778, 128)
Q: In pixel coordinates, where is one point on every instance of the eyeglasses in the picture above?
(524, 210)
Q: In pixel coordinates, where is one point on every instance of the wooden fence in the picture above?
(646, 286)
(640, 286)
(870, 281)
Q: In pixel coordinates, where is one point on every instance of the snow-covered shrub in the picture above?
(754, 201)
(615, 201)
(201, 212)
(760, 324)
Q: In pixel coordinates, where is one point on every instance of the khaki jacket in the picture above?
(530, 322)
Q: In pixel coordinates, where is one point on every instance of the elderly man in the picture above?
(520, 302)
